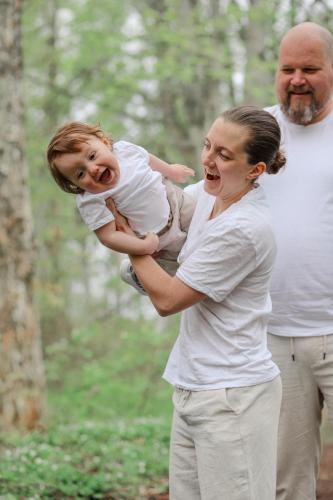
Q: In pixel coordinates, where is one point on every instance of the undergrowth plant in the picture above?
(107, 434)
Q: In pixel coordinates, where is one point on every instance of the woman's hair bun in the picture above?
(278, 162)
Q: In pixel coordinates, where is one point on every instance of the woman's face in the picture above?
(225, 162)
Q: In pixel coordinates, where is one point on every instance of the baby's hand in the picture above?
(151, 243)
(179, 173)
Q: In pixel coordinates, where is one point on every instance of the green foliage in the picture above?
(118, 366)
(110, 412)
(89, 459)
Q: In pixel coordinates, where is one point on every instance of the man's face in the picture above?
(304, 79)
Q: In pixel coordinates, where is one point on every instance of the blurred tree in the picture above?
(156, 72)
(46, 104)
(65, 56)
(189, 67)
(21, 368)
(260, 41)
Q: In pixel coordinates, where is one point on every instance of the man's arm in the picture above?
(126, 243)
(175, 172)
(169, 295)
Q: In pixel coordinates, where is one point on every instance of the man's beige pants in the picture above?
(224, 443)
(306, 365)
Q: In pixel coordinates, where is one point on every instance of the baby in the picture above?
(84, 160)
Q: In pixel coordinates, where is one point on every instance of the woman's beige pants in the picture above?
(224, 443)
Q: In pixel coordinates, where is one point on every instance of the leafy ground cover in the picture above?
(107, 433)
(116, 459)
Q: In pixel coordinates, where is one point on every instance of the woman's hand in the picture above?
(120, 221)
(148, 244)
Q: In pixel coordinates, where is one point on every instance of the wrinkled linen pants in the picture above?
(224, 443)
(306, 365)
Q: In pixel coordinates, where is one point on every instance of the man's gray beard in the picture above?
(301, 116)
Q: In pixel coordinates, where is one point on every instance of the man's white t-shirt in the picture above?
(222, 340)
(301, 202)
(139, 195)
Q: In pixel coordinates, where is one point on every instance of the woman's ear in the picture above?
(256, 171)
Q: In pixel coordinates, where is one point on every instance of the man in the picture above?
(301, 199)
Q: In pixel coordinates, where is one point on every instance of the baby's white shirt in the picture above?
(139, 195)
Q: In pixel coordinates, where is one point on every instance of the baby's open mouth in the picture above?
(106, 176)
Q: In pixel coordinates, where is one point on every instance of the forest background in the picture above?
(154, 72)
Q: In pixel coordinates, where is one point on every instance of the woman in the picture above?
(227, 389)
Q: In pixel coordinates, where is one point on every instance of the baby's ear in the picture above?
(106, 141)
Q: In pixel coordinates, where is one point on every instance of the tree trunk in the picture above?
(188, 102)
(21, 367)
(260, 42)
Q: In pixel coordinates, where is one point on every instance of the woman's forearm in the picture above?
(168, 294)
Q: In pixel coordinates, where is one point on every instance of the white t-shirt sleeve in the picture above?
(219, 263)
(93, 211)
(194, 190)
(131, 152)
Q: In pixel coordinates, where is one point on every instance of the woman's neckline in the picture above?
(217, 211)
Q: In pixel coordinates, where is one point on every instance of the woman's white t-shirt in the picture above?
(222, 340)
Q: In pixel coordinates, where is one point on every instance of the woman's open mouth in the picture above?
(212, 177)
